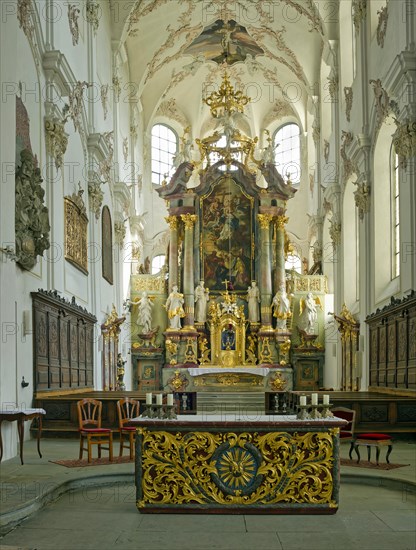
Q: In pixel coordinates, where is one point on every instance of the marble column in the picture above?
(188, 269)
(173, 251)
(280, 273)
(265, 270)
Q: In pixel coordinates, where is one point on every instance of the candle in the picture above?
(326, 400)
(159, 397)
(170, 399)
(148, 398)
(314, 399)
(303, 400)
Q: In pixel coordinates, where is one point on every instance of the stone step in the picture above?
(224, 403)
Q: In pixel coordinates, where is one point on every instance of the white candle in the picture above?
(159, 397)
(303, 400)
(170, 399)
(314, 399)
(326, 400)
(148, 398)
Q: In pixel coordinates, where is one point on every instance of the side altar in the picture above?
(217, 464)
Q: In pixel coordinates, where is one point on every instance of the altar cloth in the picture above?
(258, 371)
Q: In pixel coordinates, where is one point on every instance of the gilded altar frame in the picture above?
(228, 336)
(76, 235)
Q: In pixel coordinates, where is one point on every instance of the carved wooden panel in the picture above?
(64, 351)
(393, 344)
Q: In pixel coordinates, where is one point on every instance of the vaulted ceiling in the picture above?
(272, 50)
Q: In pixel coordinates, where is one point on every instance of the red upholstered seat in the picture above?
(373, 436)
(127, 409)
(346, 434)
(89, 425)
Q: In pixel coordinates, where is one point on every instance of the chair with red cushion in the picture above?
(346, 433)
(127, 409)
(376, 440)
(89, 425)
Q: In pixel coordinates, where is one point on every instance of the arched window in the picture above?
(395, 213)
(294, 262)
(164, 147)
(287, 151)
(157, 263)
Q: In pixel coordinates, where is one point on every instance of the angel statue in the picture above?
(308, 313)
(174, 308)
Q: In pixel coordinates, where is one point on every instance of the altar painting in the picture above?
(226, 236)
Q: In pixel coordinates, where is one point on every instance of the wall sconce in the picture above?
(24, 384)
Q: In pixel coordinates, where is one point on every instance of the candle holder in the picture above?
(315, 414)
(148, 411)
(170, 412)
(158, 411)
(326, 412)
(303, 412)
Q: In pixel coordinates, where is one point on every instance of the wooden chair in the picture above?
(89, 425)
(346, 433)
(127, 409)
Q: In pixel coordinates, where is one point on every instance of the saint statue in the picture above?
(308, 313)
(174, 308)
(144, 316)
(253, 298)
(281, 304)
(201, 300)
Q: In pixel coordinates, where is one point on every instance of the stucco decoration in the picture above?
(382, 101)
(348, 166)
(31, 215)
(93, 14)
(104, 99)
(95, 197)
(326, 150)
(76, 100)
(280, 109)
(349, 95)
(73, 16)
(119, 232)
(362, 198)
(383, 17)
(404, 140)
(335, 231)
(170, 109)
(359, 12)
(56, 140)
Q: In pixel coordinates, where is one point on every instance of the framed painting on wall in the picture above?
(107, 245)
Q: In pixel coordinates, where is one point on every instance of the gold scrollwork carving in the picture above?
(238, 468)
(148, 282)
(76, 240)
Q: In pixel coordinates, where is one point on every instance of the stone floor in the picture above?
(48, 506)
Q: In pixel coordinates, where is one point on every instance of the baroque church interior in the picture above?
(212, 199)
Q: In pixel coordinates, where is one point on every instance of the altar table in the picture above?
(21, 415)
(215, 464)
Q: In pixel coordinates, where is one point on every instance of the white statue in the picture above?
(281, 304)
(201, 300)
(174, 307)
(144, 316)
(253, 298)
(308, 313)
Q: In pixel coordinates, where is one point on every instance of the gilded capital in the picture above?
(264, 220)
(172, 221)
(189, 220)
(281, 221)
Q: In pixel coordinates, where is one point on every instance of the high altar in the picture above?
(227, 248)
